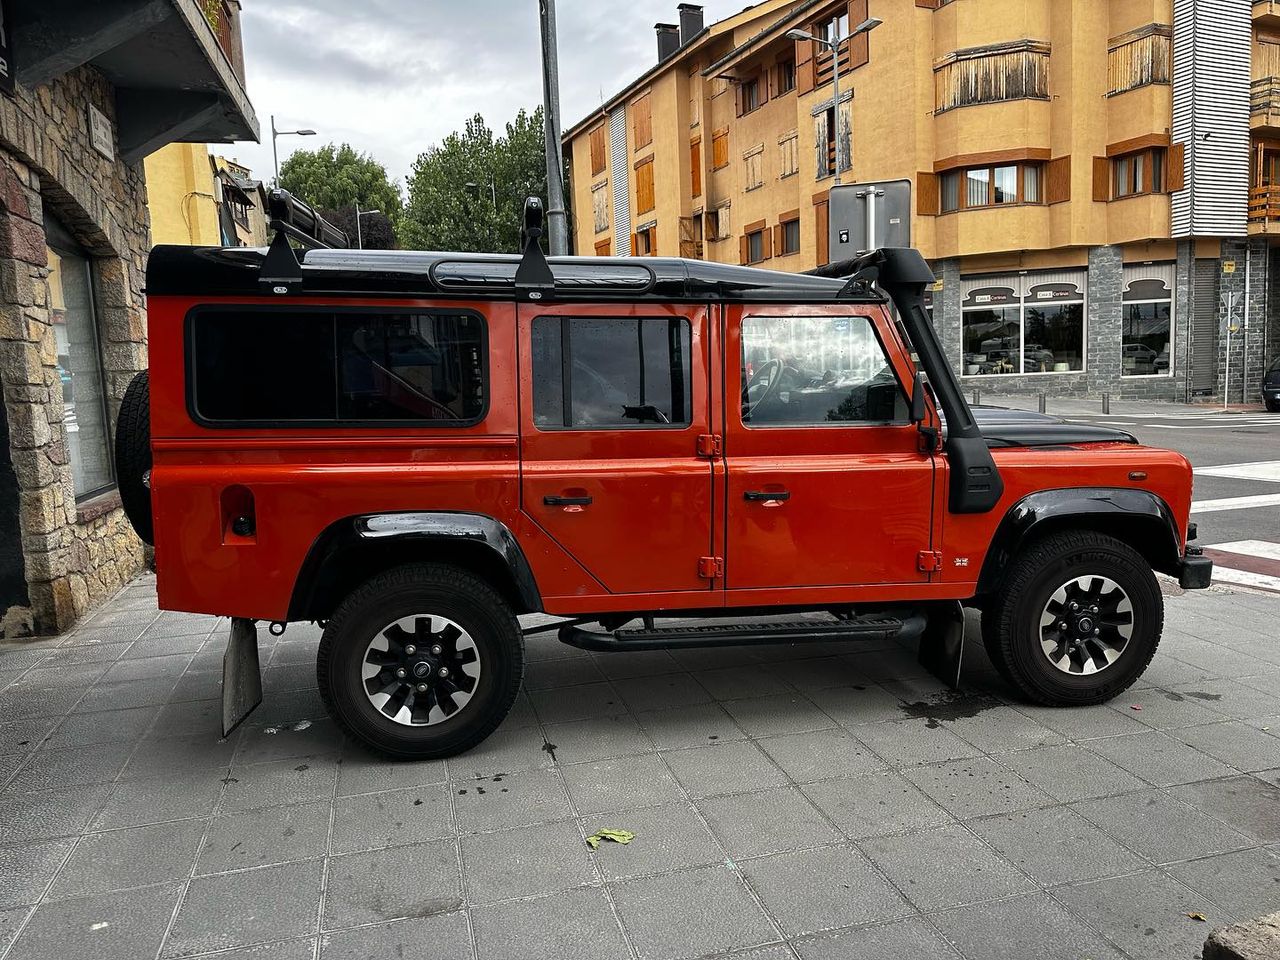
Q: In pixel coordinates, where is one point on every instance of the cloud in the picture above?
(393, 77)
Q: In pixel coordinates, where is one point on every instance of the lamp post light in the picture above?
(359, 232)
(833, 44)
(276, 134)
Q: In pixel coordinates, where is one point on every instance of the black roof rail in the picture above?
(300, 222)
(534, 279)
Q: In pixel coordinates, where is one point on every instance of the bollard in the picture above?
(977, 398)
(1106, 403)
(1043, 403)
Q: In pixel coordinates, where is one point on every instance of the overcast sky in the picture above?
(393, 77)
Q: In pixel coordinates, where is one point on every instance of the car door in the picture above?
(828, 483)
(614, 399)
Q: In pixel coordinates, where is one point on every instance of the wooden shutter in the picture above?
(859, 47)
(1057, 180)
(744, 249)
(602, 248)
(821, 145)
(927, 200)
(644, 186)
(822, 231)
(766, 243)
(806, 78)
(1175, 168)
(720, 148)
(1101, 179)
(777, 239)
(642, 122)
(695, 167)
(599, 138)
(635, 245)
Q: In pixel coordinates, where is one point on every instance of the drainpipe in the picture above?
(1248, 276)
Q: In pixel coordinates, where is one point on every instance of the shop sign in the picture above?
(100, 134)
(1228, 266)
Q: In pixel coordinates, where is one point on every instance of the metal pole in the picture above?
(359, 232)
(551, 120)
(275, 156)
(835, 89)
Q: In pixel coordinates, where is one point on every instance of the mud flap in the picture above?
(241, 675)
(942, 643)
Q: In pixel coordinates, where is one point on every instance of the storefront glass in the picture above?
(1023, 324)
(1147, 321)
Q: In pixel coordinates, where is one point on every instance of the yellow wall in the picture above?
(180, 195)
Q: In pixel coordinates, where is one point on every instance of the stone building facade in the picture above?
(74, 240)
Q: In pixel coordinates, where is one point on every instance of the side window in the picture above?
(605, 372)
(817, 371)
(317, 367)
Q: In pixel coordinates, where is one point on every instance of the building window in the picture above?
(1023, 324)
(645, 200)
(644, 243)
(786, 76)
(641, 122)
(720, 149)
(991, 186)
(992, 74)
(620, 372)
(749, 95)
(717, 227)
(599, 148)
(789, 155)
(837, 28)
(1147, 321)
(1139, 58)
(826, 131)
(75, 330)
(754, 161)
(1138, 173)
(790, 236)
(756, 241)
(600, 206)
(603, 248)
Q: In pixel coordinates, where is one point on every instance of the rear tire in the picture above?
(133, 456)
(423, 661)
(1273, 406)
(1032, 628)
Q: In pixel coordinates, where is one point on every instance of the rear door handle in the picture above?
(766, 495)
(553, 501)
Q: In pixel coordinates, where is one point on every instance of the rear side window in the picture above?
(611, 372)
(321, 367)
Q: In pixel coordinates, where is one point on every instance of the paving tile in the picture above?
(26, 870)
(525, 862)
(147, 668)
(506, 750)
(850, 706)
(188, 718)
(912, 939)
(1160, 759)
(1033, 926)
(575, 923)
(669, 692)
(554, 674)
(279, 782)
(137, 802)
(76, 929)
(1232, 698)
(578, 703)
(944, 867)
(280, 950)
(306, 738)
(742, 682)
(913, 741)
(703, 910)
(667, 838)
(597, 739)
(690, 726)
(767, 821)
(368, 887)
(976, 787)
(1165, 709)
(49, 679)
(392, 819)
(249, 906)
(999, 729)
(1145, 914)
(1086, 723)
(875, 804)
(24, 703)
(815, 890)
(511, 800)
(819, 673)
(57, 769)
(724, 768)
(86, 653)
(364, 772)
(777, 715)
(442, 937)
(1070, 772)
(49, 814)
(181, 756)
(130, 693)
(639, 663)
(821, 755)
(259, 838)
(199, 686)
(1248, 805)
(162, 647)
(1235, 742)
(10, 922)
(23, 736)
(1056, 845)
(134, 857)
(621, 784)
(111, 726)
(1159, 827)
(1245, 883)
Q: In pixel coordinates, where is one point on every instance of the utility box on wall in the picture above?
(867, 216)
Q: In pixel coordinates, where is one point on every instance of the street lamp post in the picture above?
(359, 232)
(833, 44)
(276, 134)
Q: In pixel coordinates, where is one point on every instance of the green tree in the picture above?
(336, 177)
(468, 192)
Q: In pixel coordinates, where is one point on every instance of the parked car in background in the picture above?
(1271, 386)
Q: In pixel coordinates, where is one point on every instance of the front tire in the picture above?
(1077, 620)
(423, 661)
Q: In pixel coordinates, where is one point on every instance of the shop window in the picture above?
(1029, 326)
(1138, 173)
(991, 186)
(75, 328)
(1147, 322)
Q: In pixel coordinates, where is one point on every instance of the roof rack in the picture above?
(293, 220)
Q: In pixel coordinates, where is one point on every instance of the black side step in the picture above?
(873, 627)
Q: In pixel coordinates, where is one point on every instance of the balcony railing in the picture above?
(1264, 204)
(1264, 96)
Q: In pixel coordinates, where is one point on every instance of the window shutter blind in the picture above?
(927, 201)
(744, 249)
(1101, 179)
(777, 239)
(766, 243)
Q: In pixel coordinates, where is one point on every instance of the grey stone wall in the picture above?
(75, 555)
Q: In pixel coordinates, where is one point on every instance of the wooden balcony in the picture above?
(1264, 105)
(1264, 210)
(1266, 13)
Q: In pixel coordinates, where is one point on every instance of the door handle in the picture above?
(766, 495)
(553, 501)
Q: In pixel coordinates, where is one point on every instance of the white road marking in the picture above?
(1244, 578)
(1235, 503)
(1253, 548)
(1268, 470)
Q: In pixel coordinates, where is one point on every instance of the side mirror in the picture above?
(917, 399)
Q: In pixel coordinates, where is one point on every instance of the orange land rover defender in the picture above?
(414, 449)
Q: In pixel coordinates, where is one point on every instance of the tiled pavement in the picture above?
(815, 802)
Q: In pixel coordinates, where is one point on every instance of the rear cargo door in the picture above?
(614, 401)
